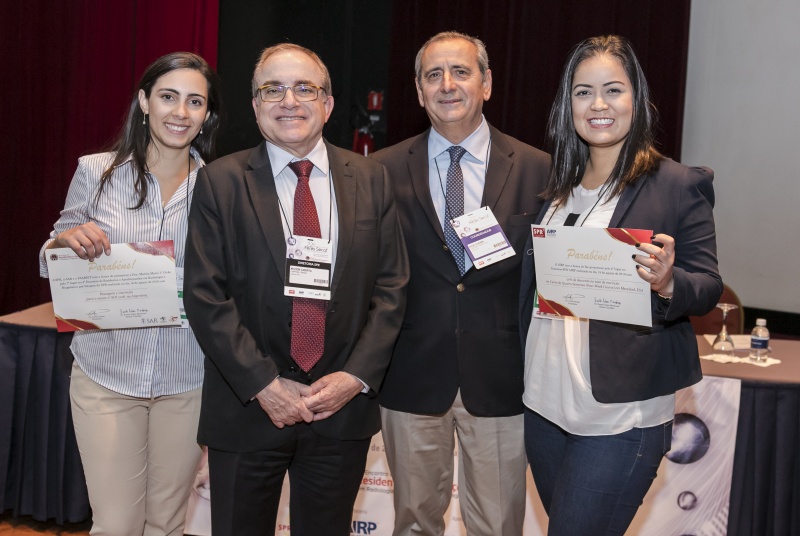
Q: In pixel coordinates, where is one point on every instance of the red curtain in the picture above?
(69, 71)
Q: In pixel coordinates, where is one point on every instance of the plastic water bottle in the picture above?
(759, 341)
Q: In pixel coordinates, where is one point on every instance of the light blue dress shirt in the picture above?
(474, 164)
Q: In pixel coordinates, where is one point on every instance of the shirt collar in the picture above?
(476, 144)
(192, 152)
(279, 158)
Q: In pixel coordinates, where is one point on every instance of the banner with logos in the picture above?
(692, 492)
(690, 495)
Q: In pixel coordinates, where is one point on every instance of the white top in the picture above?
(320, 183)
(141, 362)
(474, 163)
(557, 378)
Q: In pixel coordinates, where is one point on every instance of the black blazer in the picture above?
(461, 332)
(235, 256)
(629, 363)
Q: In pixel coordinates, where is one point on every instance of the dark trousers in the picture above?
(324, 478)
(592, 484)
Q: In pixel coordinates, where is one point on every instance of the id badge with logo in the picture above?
(308, 268)
(483, 238)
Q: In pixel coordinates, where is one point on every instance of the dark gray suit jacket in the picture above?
(627, 362)
(235, 256)
(461, 332)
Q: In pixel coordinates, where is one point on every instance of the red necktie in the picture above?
(308, 316)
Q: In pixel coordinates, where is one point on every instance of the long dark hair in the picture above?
(134, 138)
(637, 156)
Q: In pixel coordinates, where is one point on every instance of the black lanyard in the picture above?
(570, 221)
(447, 211)
(330, 206)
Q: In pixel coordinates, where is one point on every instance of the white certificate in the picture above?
(589, 273)
(133, 287)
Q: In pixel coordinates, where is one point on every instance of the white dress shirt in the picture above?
(321, 183)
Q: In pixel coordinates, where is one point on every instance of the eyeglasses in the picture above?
(302, 92)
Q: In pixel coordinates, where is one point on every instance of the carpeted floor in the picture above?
(11, 526)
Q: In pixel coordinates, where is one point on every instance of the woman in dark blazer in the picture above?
(600, 396)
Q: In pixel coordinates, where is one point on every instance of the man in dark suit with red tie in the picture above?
(296, 273)
(458, 366)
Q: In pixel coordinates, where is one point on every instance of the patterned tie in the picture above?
(308, 316)
(455, 205)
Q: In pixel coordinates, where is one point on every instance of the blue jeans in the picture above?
(592, 484)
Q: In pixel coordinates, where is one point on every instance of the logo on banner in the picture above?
(538, 232)
(363, 527)
(377, 482)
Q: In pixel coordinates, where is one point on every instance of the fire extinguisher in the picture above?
(363, 142)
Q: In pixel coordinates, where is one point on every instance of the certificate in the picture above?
(589, 273)
(133, 287)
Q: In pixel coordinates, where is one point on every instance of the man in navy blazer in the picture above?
(266, 410)
(458, 366)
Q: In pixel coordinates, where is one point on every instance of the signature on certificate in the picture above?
(573, 299)
(133, 312)
(607, 303)
(97, 314)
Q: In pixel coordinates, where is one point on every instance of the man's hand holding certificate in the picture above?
(133, 287)
(589, 273)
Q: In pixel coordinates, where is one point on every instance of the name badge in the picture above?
(308, 268)
(482, 237)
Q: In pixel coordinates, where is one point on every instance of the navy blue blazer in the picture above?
(460, 333)
(630, 363)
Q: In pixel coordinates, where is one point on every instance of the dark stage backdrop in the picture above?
(69, 71)
(70, 67)
(352, 37)
(528, 43)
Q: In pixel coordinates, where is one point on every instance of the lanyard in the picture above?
(448, 214)
(570, 220)
(330, 208)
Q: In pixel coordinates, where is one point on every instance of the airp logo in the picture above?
(538, 232)
(363, 527)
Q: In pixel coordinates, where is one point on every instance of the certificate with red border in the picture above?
(134, 287)
(589, 273)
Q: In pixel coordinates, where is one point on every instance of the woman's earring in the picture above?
(201, 130)
(144, 119)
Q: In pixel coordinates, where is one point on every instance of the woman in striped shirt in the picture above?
(135, 393)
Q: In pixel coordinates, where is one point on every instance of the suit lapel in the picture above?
(264, 200)
(344, 188)
(542, 211)
(418, 171)
(500, 164)
(625, 199)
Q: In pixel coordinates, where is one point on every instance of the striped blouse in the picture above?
(139, 362)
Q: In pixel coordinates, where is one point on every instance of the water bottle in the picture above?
(759, 341)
